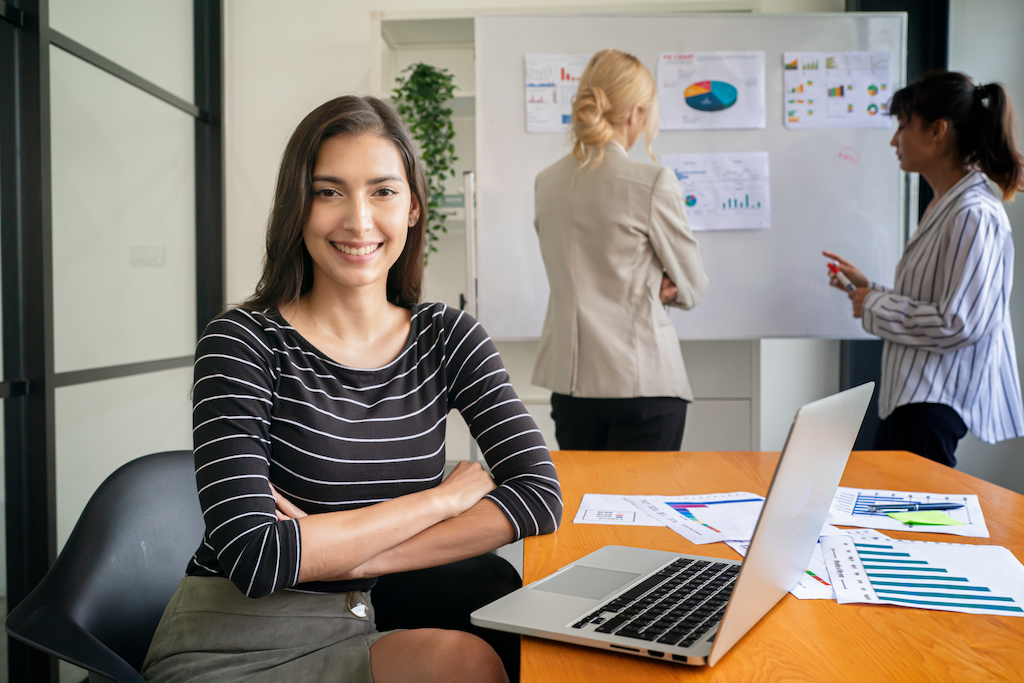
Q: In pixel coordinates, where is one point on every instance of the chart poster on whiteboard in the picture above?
(551, 82)
(703, 90)
(837, 89)
(724, 191)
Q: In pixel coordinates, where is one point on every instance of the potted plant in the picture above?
(420, 99)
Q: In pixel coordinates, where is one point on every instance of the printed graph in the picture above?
(850, 508)
(977, 579)
(691, 510)
(862, 501)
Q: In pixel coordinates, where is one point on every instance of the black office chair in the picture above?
(100, 603)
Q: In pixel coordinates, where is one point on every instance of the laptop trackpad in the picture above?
(586, 582)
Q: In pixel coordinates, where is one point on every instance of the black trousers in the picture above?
(928, 429)
(618, 424)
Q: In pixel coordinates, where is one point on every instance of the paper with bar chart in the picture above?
(850, 508)
(816, 584)
(724, 191)
(707, 518)
(551, 81)
(837, 89)
(702, 90)
(953, 577)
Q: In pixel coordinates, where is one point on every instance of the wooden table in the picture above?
(799, 640)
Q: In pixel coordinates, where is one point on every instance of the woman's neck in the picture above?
(357, 328)
(943, 176)
(354, 317)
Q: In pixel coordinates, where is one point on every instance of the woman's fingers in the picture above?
(668, 290)
(285, 506)
(467, 484)
(837, 258)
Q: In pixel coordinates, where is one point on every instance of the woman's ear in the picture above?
(939, 130)
(414, 210)
(638, 115)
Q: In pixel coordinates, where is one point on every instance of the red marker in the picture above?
(841, 276)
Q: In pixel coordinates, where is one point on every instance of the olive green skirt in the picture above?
(211, 632)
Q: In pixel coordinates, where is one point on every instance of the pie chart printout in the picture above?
(710, 95)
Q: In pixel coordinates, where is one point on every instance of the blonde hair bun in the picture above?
(611, 86)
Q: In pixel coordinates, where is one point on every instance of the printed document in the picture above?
(850, 508)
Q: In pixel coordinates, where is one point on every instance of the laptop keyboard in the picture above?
(675, 606)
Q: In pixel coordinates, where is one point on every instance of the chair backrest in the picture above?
(121, 564)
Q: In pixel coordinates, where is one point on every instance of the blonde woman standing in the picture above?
(617, 248)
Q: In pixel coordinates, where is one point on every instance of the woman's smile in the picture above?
(357, 250)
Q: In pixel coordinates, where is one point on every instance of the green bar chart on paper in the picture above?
(954, 577)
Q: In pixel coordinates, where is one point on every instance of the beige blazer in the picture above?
(606, 235)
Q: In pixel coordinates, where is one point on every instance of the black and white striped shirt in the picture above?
(268, 407)
(946, 324)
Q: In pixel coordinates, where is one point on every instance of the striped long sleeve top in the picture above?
(269, 408)
(946, 322)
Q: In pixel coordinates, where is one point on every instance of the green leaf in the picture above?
(419, 100)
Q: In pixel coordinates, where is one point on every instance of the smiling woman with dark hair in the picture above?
(949, 364)
(319, 412)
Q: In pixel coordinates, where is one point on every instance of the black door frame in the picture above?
(29, 381)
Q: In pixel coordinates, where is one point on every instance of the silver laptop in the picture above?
(686, 608)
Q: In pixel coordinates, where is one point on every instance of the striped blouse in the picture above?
(946, 323)
(269, 408)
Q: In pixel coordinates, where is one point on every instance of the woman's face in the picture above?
(361, 213)
(918, 144)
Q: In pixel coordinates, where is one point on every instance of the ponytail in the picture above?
(611, 86)
(982, 116)
(995, 150)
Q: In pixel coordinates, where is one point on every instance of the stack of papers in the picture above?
(851, 565)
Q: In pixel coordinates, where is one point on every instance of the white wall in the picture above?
(784, 391)
(985, 42)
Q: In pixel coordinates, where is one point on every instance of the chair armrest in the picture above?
(55, 633)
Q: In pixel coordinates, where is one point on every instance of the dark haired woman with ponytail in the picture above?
(949, 364)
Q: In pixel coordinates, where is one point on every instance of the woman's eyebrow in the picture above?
(372, 181)
(329, 179)
(385, 179)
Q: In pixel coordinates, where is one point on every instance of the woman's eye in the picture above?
(386, 192)
(327, 192)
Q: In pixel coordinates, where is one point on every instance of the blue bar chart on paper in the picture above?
(707, 518)
(952, 577)
(850, 508)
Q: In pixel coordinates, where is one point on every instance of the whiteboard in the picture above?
(835, 189)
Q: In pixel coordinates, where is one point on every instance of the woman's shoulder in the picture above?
(260, 330)
(979, 201)
(564, 168)
(451, 324)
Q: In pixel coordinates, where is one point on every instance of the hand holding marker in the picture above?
(841, 276)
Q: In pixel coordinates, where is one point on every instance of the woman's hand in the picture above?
(668, 290)
(857, 297)
(465, 487)
(285, 508)
(849, 270)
